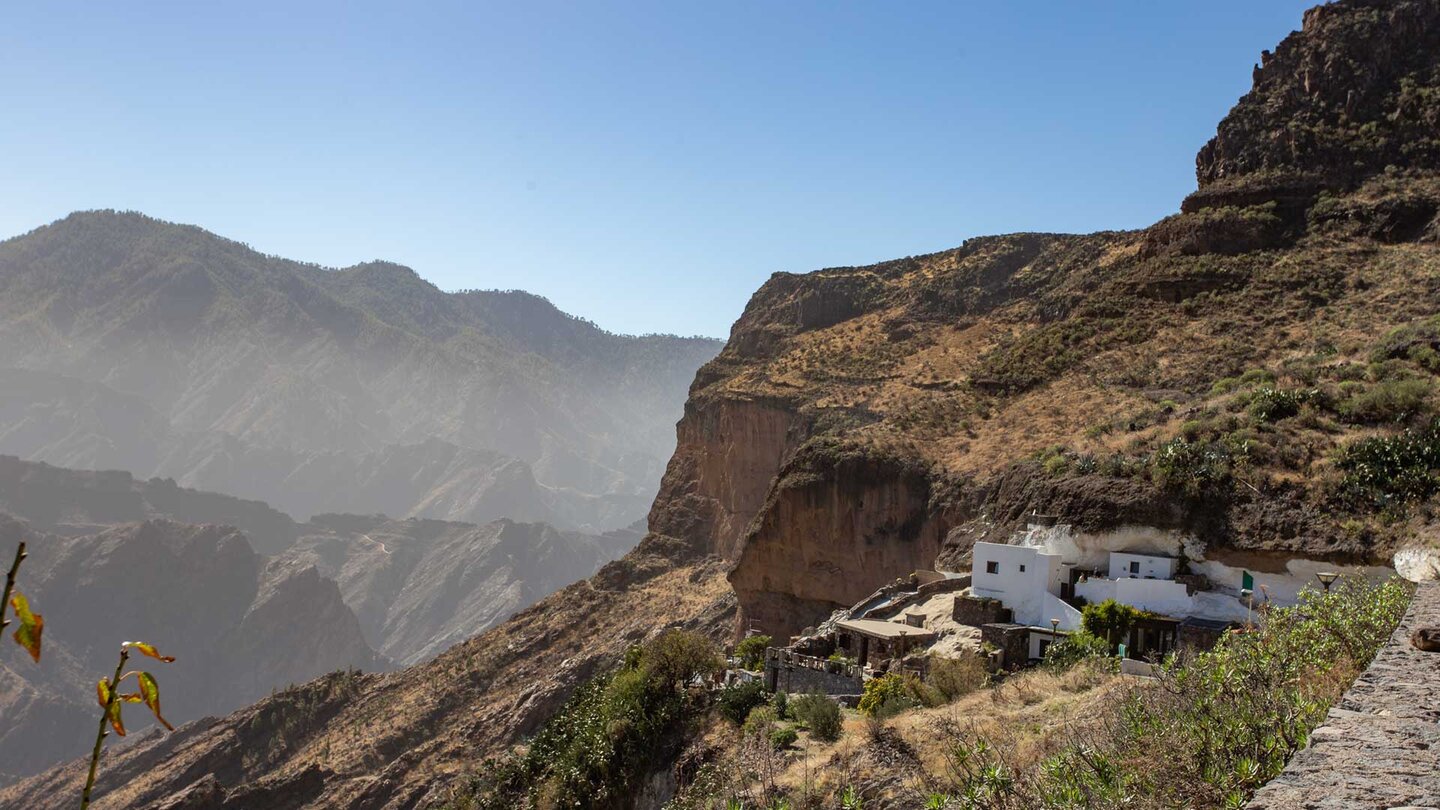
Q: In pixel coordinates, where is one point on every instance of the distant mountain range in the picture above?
(115, 558)
(134, 344)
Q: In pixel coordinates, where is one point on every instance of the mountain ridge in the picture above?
(240, 370)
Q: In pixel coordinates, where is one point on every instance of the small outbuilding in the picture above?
(867, 639)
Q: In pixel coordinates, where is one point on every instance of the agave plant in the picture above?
(111, 699)
(32, 625)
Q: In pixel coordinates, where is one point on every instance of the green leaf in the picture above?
(32, 625)
(149, 649)
(150, 691)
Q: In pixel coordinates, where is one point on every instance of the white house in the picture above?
(1141, 566)
(1024, 579)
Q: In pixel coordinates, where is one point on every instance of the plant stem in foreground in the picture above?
(10, 585)
(100, 735)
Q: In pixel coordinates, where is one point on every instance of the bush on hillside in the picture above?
(784, 737)
(820, 714)
(1077, 647)
(1270, 404)
(737, 700)
(893, 693)
(1388, 472)
(596, 750)
(956, 677)
(760, 723)
(1389, 401)
(751, 651)
(1196, 468)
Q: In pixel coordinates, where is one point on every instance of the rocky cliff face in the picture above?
(939, 399)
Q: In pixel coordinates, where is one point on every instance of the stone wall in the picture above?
(1013, 641)
(1380, 745)
(781, 676)
(977, 612)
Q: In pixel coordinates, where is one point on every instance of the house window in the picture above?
(1022, 568)
(992, 567)
(1135, 567)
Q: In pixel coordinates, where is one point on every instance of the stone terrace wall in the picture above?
(1380, 745)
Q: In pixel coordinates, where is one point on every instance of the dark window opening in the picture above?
(992, 567)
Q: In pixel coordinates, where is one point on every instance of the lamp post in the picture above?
(1327, 578)
(1054, 631)
(1249, 605)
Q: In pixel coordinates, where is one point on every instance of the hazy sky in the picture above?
(644, 165)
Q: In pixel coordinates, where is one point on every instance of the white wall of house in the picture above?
(1124, 564)
(1039, 639)
(1164, 596)
(1056, 608)
(1018, 576)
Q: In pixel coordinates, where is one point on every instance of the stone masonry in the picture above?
(1380, 745)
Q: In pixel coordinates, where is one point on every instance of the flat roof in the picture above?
(880, 629)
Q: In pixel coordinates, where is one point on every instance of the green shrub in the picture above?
(751, 651)
(783, 737)
(893, 693)
(760, 722)
(1109, 620)
(737, 700)
(1195, 468)
(1078, 646)
(597, 748)
(1270, 404)
(781, 704)
(1224, 385)
(1385, 472)
(1391, 401)
(820, 714)
(1255, 376)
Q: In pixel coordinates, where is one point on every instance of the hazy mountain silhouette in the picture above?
(131, 343)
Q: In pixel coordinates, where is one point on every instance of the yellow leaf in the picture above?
(32, 625)
(149, 649)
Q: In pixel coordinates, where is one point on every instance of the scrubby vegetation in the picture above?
(751, 652)
(1070, 734)
(819, 714)
(595, 751)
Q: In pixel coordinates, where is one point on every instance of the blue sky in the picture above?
(645, 165)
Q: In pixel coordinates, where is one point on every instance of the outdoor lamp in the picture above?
(1054, 626)
(1326, 578)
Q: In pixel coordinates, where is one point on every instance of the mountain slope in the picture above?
(239, 627)
(136, 344)
(862, 422)
(422, 586)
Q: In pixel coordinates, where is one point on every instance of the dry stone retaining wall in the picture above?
(1380, 745)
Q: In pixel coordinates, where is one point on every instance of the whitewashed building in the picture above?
(1026, 580)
